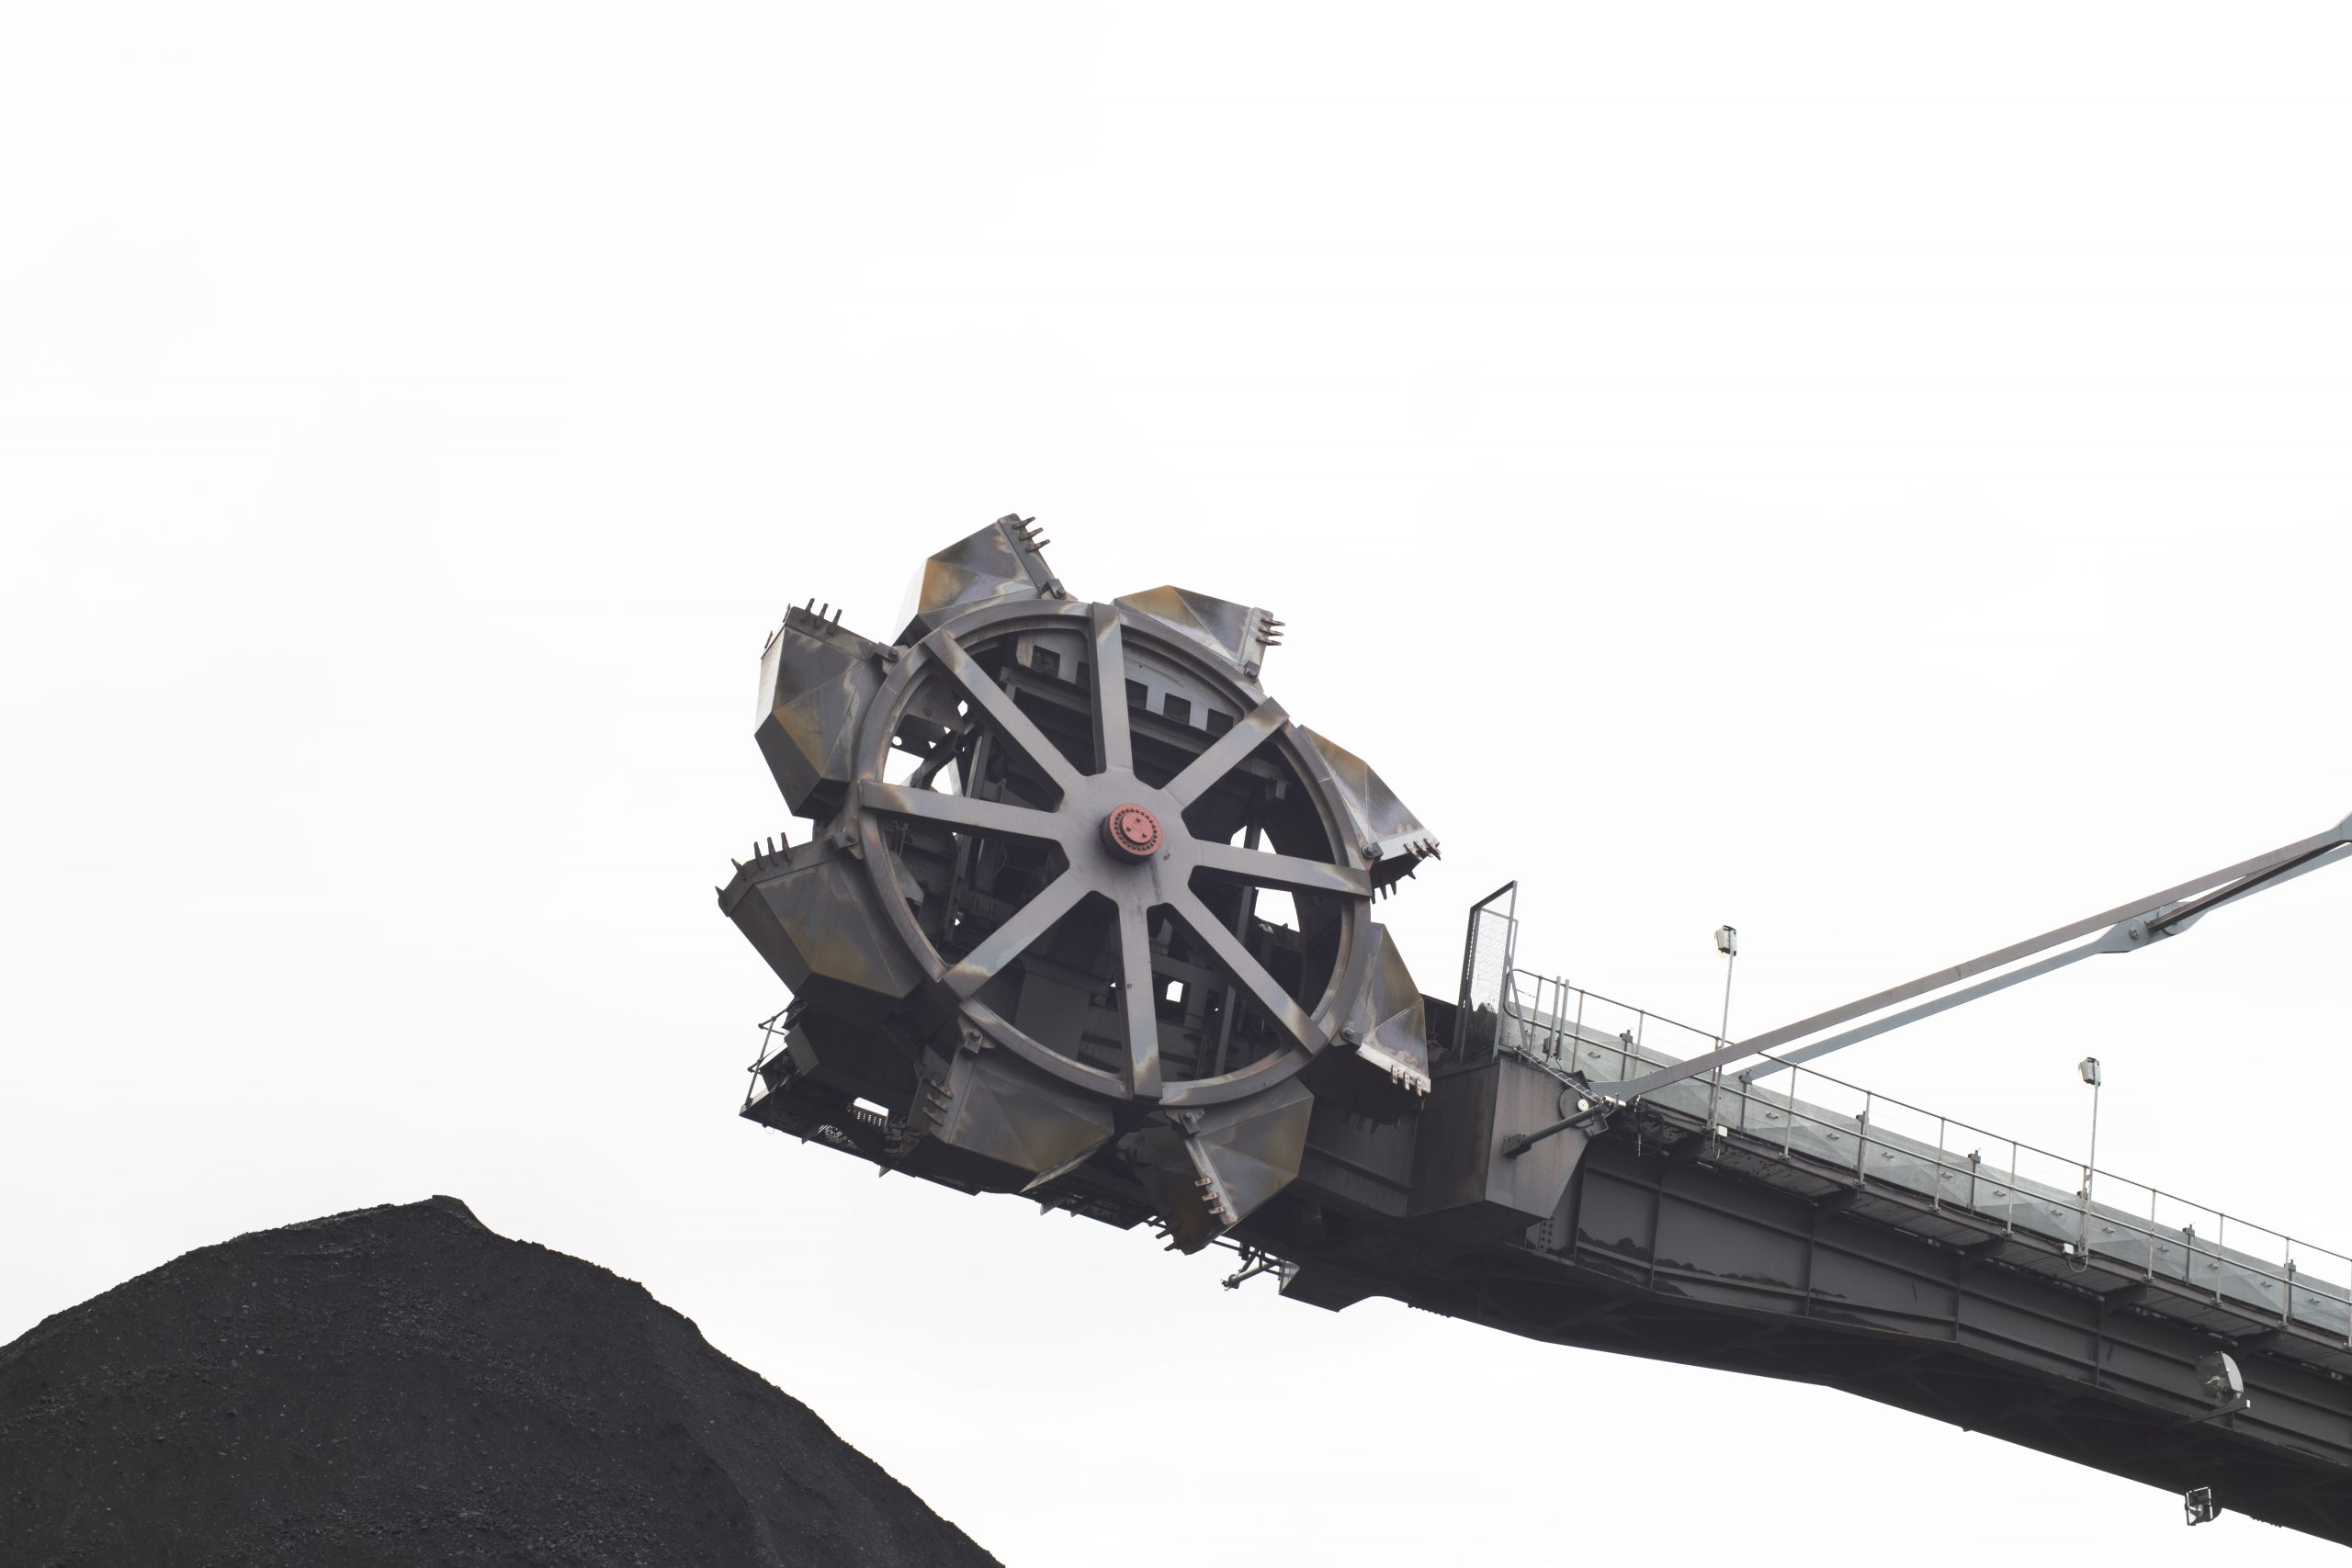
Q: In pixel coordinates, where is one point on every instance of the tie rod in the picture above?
(2128, 928)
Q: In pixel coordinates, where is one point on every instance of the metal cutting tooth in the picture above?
(983, 778)
(1028, 927)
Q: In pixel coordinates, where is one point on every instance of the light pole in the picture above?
(2088, 1068)
(1726, 943)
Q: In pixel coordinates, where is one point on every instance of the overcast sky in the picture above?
(1880, 478)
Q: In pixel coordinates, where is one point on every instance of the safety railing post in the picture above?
(2011, 1224)
(1788, 1127)
(2348, 1300)
(1862, 1138)
(1714, 1083)
(1937, 1202)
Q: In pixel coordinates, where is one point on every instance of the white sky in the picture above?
(1877, 477)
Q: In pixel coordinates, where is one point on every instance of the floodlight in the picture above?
(2222, 1382)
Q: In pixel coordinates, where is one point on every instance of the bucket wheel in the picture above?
(1086, 882)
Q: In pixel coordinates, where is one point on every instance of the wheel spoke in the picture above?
(1227, 753)
(1288, 1016)
(1113, 747)
(994, 701)
(1010, 940)
(1138, 1001)
(959, 811)
(1261, 868)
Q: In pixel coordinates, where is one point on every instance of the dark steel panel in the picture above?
(1027, 958)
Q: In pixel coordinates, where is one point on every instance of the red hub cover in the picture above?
(1131, 833)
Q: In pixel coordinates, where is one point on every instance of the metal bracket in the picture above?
(1591, 1109)
(2242, 1401)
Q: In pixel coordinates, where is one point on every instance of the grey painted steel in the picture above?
(2129, 928)
(1850, 1287)
(958, 1016)
(1025, 928)
(2315, 1292)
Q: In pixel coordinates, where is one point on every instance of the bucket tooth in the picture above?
(1378, 1066)
(815, 683)
(1207, 1171)
(1384, 828)
(813, 915)
(993, 1124)
(1240, 634)
(1000, 562)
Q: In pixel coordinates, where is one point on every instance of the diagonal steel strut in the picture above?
(2124, 928)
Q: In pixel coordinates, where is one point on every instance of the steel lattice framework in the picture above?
(1084, 915)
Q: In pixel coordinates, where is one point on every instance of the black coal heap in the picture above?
(403, 1385)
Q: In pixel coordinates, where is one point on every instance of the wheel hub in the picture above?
(1027, 926)
(1131, 833)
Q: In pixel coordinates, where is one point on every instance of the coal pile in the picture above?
(403, 1385)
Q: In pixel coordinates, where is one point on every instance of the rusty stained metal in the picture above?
(1026, 929)
(1030, 951)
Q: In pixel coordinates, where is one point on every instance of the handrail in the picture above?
(1546, 1029)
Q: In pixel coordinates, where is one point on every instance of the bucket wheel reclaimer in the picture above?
(1042, 923)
